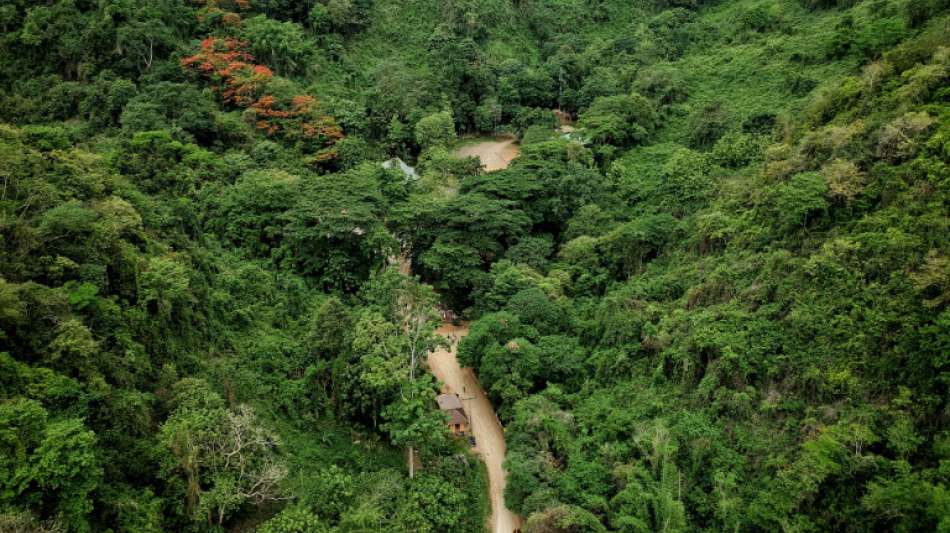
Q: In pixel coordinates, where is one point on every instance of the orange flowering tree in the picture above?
(231, 68)
(241, 82)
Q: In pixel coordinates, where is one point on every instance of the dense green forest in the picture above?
(720, 303)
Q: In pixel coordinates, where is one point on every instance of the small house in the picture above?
(451, 405)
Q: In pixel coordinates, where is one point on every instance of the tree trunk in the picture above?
(412, 464)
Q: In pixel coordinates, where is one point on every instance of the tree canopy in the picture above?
(711, 293)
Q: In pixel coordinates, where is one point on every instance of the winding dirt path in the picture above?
(489, 436)
(494, 155)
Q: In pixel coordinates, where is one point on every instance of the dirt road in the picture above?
(489, 437)
(495, 154)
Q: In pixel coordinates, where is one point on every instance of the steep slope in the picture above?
(720, 304)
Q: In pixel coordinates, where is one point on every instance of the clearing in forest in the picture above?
(494, 153)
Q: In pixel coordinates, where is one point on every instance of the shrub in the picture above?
(46, 138)
(761, 123)
(875, 36)
(921, 81)
(735, 150)
(832, 99)
(707, 125)
(293, 520)
(896, 141)
(842, 39)
(799, 84)
(536, 134)
(920, 11)
(534, 116)
(845, 180)
(758, 19)
(687, 176)
(797, 202)
(663, 84)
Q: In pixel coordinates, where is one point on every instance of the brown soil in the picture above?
(494, 155)
(489, 435)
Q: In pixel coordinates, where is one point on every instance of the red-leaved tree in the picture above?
(231, 69)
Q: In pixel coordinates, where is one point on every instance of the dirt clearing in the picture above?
(495, 154)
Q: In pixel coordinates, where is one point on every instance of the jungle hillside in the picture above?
(693, 256)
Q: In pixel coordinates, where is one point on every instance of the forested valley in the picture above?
(711, 292)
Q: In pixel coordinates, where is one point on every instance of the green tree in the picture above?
(150, 33)
(48, 464)
(619, 120)
(413, 421)
(334, 234)
(799, 201)
(282, 46)
(224, 458)
(437, 129)
(393, 344)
